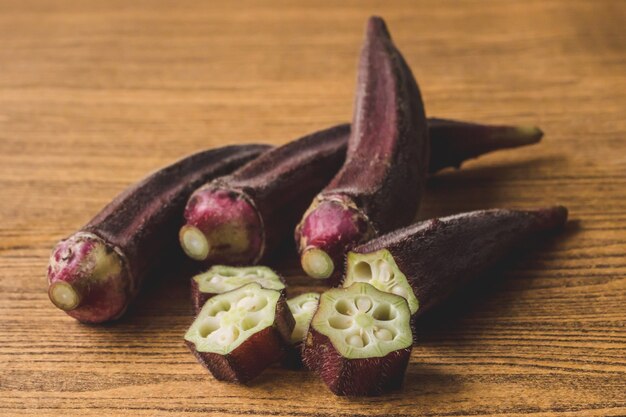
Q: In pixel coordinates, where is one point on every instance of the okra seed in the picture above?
(383, 334)
(363, 304)
(251, 303)
(225, 336)
(309, 306)
(355, 340)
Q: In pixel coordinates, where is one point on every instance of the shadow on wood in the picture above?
(482, 187)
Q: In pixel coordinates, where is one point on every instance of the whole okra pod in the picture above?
(95, 273)
(379, 186)
(428, 261)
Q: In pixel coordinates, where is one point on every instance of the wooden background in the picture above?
(95, 94)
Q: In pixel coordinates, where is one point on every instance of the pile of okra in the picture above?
(349, 196)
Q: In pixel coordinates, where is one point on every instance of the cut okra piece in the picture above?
(302, 307)
(221, 278)
(359, 340)
(380, 270)
(238, 334)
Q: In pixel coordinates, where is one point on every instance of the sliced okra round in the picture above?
(221, 278)
(238, 334)
(302, 307)
(379, 269)
(359, 340)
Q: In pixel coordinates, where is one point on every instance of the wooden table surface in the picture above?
(93, 95)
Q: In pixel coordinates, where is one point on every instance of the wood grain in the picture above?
(93, 95)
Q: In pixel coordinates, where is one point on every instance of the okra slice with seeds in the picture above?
(221, 278)
(359, 340)
(240, 333)
(380, 270)
(302, 308)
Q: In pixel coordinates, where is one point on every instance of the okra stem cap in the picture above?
(89, 278)
(317, 263)
(194, 243)
(63, 295)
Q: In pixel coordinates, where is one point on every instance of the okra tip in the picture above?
(554, 217)
(526, 134)
(377, 25)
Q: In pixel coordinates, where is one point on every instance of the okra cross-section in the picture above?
(380, 270)
(238, 334)
(221, 278)
(302, 308)
(359, 340)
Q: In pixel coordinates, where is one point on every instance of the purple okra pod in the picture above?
(379, 186)
(428, 261)
(95, 273)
